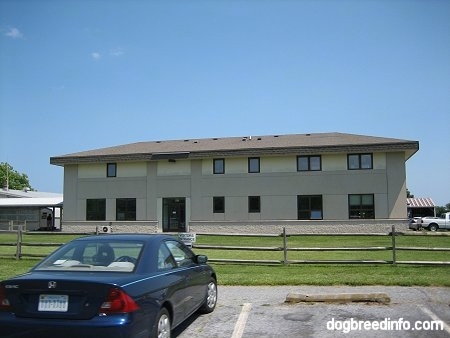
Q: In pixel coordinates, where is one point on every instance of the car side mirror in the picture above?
(201, 259)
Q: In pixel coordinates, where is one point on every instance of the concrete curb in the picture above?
(382, 298)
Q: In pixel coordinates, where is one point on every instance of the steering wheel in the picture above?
(126, 259)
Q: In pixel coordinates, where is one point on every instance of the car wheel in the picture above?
(210, 298)
(433, 227)
(162, 326)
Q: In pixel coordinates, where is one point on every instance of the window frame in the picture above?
(310, 208)
(252, 170)
(252, 207)
(309, 158)
(111, 170)
(360, 164)
(361, 208)
(100, 209)
(216, 167)
(129, 213)
(176, 250)
(218, 200)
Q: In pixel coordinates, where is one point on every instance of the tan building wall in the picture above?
(278, 184)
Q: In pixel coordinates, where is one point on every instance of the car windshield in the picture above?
(117, 256)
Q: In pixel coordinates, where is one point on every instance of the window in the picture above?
(126, 209)
(361, 206)
(218, 205)
(111, 170)
(253, 165)
(309, 163)
(165, 259)
(96, 209)
(219, 166)
(359, 161)
(183, 256)
(254, 204)
(310, 207)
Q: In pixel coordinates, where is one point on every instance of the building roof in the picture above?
(32, 202)
(420, 203)
(26, 193)
(300, 144)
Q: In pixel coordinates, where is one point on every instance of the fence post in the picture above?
(284, 246)
(394, 254)
(19, 242)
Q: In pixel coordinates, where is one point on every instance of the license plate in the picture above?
(55, 303)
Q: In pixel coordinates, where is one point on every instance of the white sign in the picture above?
(187, 237)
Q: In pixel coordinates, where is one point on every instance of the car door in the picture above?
(193, 274)
(166, 265)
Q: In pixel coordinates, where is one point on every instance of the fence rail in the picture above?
(19, 244)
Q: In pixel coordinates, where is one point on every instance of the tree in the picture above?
(10, 178)
(408, 194)
(441, 210)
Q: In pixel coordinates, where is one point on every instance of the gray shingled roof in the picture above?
(241, 146)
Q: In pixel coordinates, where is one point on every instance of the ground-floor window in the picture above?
(96, 209)
(309, 207)
(254, 204)
(126, 209)
(361, 206)
(218, 205)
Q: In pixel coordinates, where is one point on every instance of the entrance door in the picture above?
(174, 214)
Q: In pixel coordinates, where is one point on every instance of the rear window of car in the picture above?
(113, 256)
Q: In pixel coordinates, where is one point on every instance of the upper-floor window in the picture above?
(309, 163)
(126, 209)
(253, 165)
(359, 161)
(219, 166)
(111, 170)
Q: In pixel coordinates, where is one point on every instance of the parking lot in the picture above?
(249, 312)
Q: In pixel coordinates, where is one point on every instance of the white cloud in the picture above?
(116, 52)
(14, 33)
(96, 55)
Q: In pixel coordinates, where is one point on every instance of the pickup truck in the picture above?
(435, 223)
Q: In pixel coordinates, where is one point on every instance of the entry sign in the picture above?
(187, 237)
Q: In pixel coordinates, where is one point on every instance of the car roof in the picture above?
(126, 237)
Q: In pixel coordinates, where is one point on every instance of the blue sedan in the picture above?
(133, 286)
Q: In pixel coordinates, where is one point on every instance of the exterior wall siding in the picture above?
(278, 184)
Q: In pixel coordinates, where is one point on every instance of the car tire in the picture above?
(210, 301)
(433, 227)
(162, 327)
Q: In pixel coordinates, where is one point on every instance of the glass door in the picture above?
(174, 214)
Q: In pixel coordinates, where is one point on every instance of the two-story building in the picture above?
(244, 184)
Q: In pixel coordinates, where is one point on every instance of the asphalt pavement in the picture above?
(257, 312)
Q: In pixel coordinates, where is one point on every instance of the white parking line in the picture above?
(242, 320)
(435, 318)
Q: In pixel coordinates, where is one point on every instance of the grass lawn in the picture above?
(296, 274)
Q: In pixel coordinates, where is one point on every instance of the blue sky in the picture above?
(79, 75)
